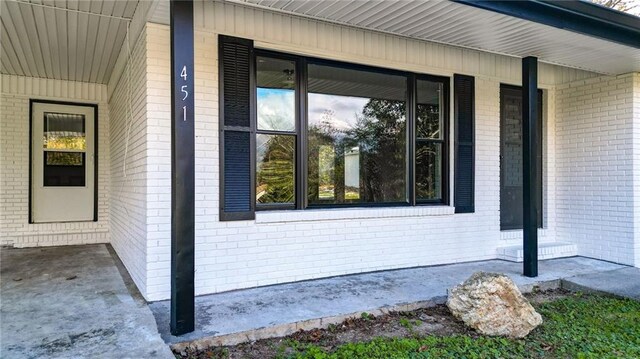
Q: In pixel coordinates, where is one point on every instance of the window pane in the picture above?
(275, 169)
(356, 136)
(63, 158)
(276, 80)
(64, 169)
(63, 131)
(428, 171)
(429, 114)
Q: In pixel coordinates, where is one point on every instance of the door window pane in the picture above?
(275, 168)
(63, 131)
(429, 114)
(356, 136)
(276, 94)
(64, 169)
(54, 158)
(428, 171)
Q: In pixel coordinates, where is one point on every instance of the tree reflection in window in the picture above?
(356, 136)
(275, 169)
(64, 131)
(276, 126)
(429, 140)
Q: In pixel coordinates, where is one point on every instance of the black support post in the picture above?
(530, 137)
(182, 168)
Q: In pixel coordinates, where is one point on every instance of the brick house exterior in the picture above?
(591, 167)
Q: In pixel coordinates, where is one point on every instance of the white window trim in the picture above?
(333, 214)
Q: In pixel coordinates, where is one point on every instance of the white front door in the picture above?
(63, 162)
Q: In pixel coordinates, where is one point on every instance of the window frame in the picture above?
(367, 68)
(443, 140)
(301, 201)
(296, 133)
(504, 88)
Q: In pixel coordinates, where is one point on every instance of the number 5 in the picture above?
(186, 93)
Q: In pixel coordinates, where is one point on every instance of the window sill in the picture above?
(333, 214)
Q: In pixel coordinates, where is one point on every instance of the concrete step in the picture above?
(545, 251)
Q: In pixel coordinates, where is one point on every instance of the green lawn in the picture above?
(575, 327)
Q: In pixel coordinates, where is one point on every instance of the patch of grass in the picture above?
(574, 327)
(409, 324)
(429, 347)
(367, 316)
(591, 327)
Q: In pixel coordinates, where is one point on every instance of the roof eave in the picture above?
(577, 16)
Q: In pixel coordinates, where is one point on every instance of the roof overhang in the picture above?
(82, 41)
(577, 16)
(574, 34)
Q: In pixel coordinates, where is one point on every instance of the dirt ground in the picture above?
(419, 323)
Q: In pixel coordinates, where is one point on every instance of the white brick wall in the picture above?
(595, 154)
(159, 160)
(289, 246)
(129, 161)
(14, 163)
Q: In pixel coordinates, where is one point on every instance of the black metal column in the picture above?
(182, 168)
(529, 174)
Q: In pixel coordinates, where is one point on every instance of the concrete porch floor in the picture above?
(257, 313)
(72, 302)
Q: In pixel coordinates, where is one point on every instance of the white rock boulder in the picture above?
(492, 304)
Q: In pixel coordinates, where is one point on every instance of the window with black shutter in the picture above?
(464, 105)
(237, 134)
(298, 132)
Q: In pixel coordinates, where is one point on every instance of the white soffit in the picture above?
(76, 40)
(461, 25)
(161, 13)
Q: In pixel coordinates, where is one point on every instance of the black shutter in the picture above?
(464, 104)
(237, 139)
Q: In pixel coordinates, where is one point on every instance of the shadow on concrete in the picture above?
(72, 302)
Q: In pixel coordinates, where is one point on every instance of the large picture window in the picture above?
(335, 134)
(356, 136)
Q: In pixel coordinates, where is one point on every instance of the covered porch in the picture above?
(116, 57)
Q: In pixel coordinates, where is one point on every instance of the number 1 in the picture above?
(184, 113)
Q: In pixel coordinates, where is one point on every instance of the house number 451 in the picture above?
(184, 89)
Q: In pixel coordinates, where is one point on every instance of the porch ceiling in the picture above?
(470, 27)
(74, 40)
(79, 40)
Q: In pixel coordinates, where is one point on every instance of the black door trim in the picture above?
(95, 150)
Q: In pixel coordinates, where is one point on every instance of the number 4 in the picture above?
(183, 73)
